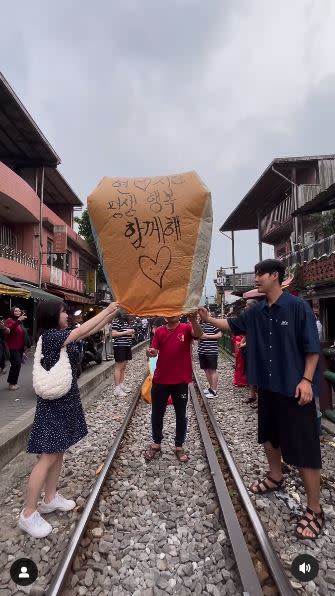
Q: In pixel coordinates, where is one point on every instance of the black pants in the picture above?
(2, 354)
(15, 358)
(159, 397)
(293, 428)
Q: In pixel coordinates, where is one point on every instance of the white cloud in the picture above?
(142, 87)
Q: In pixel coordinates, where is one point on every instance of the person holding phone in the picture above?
(15, 340)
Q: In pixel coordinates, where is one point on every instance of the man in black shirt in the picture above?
(283, 354)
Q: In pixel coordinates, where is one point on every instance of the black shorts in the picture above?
(293, 428)
(121, 354)
(208, 361)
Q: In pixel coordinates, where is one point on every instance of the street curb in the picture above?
(14, 436)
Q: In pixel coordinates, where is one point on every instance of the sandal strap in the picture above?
(151, 451)
(308, 526)
(315, 520)
(276, 482)
(317, 517)
(314, 513)
(263, 486)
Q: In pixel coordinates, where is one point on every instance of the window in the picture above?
(7, 236)
(68, 261)
(49, 252)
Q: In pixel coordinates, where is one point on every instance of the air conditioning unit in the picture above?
(309, 238)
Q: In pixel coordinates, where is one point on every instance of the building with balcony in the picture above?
(39, 248)
(287, 206)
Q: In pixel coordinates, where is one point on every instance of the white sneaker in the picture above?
(125, 388)
(35, 525)
(211, 394)
(118, 392)
(58, 502)
(206, 391)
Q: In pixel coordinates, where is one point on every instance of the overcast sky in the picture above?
(147, 87)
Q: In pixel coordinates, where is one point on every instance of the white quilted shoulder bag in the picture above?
(53, 383)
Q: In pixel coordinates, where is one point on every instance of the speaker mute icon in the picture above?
(305, 568)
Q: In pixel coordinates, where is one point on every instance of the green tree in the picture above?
(84, 227)
(85, 231)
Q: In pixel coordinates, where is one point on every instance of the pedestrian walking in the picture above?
(122, 334)
(172, 342)
(58, 423)
(283, 353)
(318, 325)
(208, 350)
(145, 327)
(240, 379)
(16, 341)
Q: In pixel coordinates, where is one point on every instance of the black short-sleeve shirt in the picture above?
(278, 339)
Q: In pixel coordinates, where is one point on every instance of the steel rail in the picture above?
(276, 568)
(246, 569)
(64, 566)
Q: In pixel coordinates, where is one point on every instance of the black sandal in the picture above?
(318, 519)
(151, 452)
(262, 486)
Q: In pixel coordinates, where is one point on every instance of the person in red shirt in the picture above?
(15, 340)
(172, 342)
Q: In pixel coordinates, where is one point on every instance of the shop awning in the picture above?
(39, 294)
(256, 294)
(68, 296)
(7, 281)
(13, 291)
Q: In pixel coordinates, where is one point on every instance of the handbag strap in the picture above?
(38, 350)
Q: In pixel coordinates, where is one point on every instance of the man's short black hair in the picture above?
(271, 266)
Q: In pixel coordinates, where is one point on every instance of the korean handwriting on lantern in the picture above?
(138, 230)
(123, 204)
(159, 199)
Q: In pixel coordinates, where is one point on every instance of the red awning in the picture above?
(256, 294)
(253, 294)
(68, 296)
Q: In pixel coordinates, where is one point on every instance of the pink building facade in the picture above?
(35, 203)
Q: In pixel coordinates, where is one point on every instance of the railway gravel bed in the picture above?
(280, 510)
(157, 529)
(104, 418)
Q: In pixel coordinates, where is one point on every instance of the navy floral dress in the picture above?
(58, 423)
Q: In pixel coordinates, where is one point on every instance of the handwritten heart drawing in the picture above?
(155, 269)
(142, 183)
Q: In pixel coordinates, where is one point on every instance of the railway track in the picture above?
(248, 540)
(239, 504)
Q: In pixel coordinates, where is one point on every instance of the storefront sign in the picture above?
(91, 282)
(60, 240)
